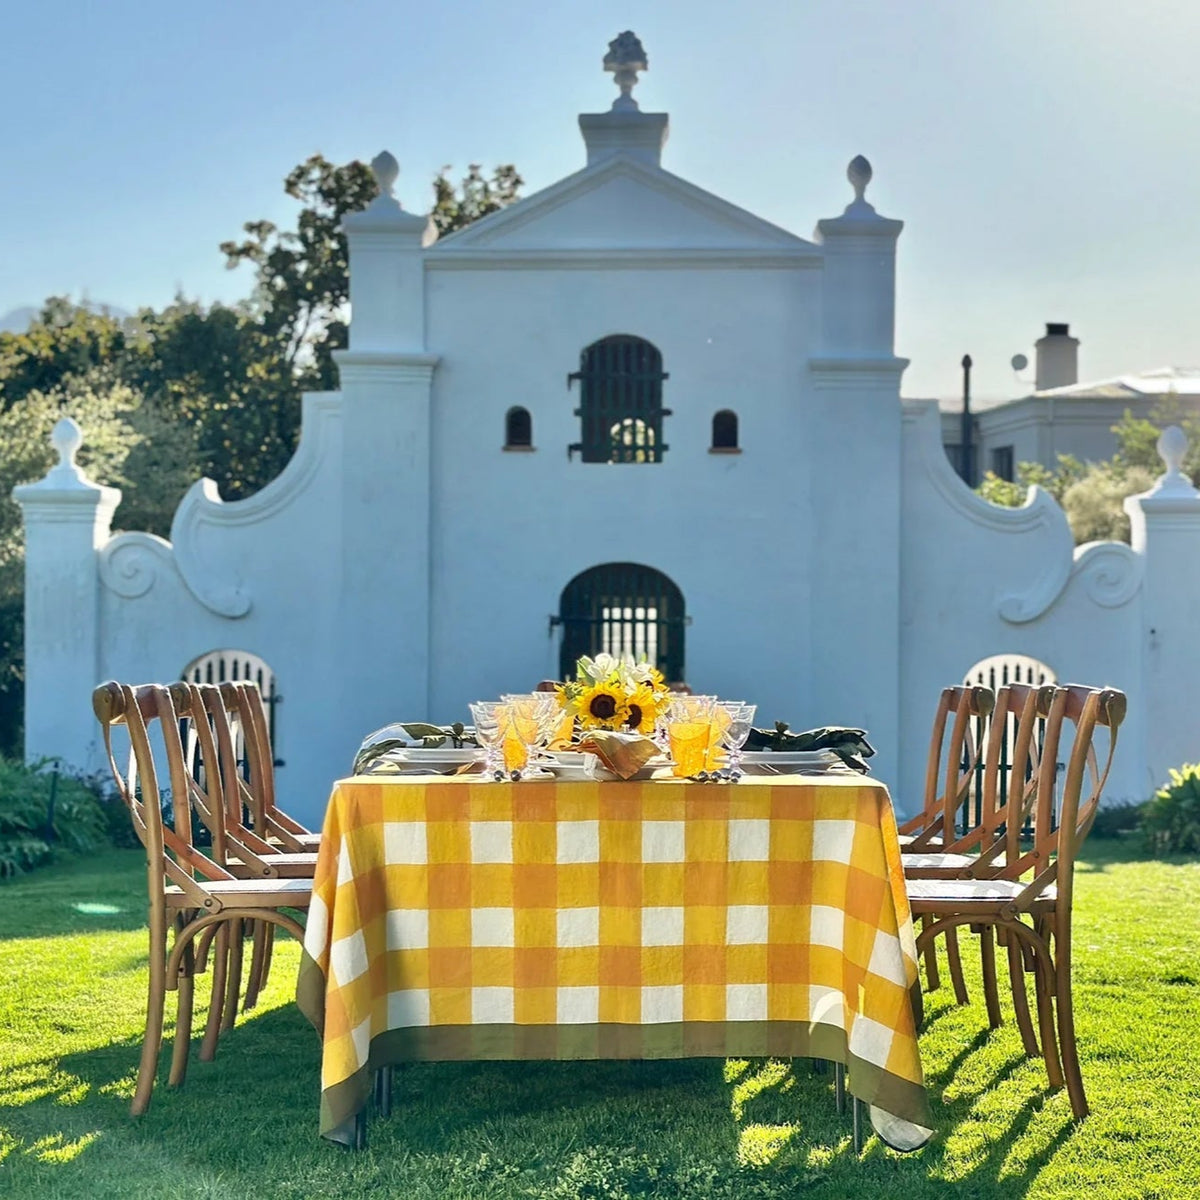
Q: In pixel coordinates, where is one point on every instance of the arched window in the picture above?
(620, 409)
(217, 666)
(998, 669)
(724, 431)
(518, 429)
(994, 672)
(622, 609)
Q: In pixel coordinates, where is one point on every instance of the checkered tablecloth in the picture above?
(454, 918)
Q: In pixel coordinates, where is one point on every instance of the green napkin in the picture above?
(850, 745)
(404, 734)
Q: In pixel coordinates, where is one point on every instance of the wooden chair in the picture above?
(954, 747)
(1029, 894)
(1008, 788)
(188, 891)
(245, 703)
(211, 745)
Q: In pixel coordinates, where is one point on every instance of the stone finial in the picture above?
(625, 58)
(66, 438)
(386, 170)
(1172, 446)
(859, 173)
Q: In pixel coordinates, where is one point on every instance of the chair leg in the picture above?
(1043, 977)
(987, 958)
(1020, 998)
(856, 1107)
(185, 987)
(212, 1028)
(932, 978)
(254, 979)
(1066, 1025)
(268, 951)
(233, 984)
(155, 1000)
(839, 1087)
(954, 961)
(360, 1130)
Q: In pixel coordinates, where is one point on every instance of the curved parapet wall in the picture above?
(978, 579)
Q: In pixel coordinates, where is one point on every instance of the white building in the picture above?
(621, 412)
(1061, 415)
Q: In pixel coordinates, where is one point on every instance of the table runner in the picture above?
(453, 918)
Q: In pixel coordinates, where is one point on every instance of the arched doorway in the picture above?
(623, 609)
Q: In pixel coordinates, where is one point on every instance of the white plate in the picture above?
(788, 762)
(419, 760)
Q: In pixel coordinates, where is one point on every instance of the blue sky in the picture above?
(1042, 153)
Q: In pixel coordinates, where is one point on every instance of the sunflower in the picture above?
(643, 709)
(602, 706)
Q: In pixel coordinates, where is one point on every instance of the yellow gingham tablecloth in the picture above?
(454, 918)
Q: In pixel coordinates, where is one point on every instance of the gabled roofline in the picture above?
(479, 235)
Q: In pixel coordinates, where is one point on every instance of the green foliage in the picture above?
(1116, 820)
(31, 830)
(1091, 494)
(168, 396)
(1094, 504)
(1172, 818)
(475, 198)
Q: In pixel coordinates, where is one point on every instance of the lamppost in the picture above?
(966, 465)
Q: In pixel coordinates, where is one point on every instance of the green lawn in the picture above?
(72, 990)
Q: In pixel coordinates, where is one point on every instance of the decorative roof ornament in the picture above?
(66, 437)
(859, 173)
(625, 58)
(386, 171)
(1172, 446)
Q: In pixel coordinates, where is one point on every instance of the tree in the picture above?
(167, 396)
(476, 197)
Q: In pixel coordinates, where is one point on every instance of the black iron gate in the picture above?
(623, 609)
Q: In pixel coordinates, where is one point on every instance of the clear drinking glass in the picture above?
(741, 720)
(534, 717)
(689, 722)
(495, 733)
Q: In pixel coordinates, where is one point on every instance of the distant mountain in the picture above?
(19, 319)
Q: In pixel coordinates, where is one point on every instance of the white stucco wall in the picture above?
(836, 571)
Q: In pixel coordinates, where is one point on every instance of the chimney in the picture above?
(1057, 358)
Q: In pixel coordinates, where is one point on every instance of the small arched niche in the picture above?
(518, 429)
(725, 433)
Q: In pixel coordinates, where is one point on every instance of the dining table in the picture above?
(463, 918)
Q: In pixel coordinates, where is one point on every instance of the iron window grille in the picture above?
(620, 408)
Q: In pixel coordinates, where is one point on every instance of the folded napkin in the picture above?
(624, 754)
(403, 734)
(850, 745)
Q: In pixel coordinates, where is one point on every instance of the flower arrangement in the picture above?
(613, 693)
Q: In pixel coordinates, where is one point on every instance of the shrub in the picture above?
(1172, 818)
(31, 830)
(1115, 820)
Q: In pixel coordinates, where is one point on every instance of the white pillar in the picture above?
(859, 281)
(387, 380)
(856, 421)
(67, 520)
(1165, 530)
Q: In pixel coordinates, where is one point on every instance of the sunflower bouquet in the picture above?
(614, 693)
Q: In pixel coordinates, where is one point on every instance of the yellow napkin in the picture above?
(624, 754)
